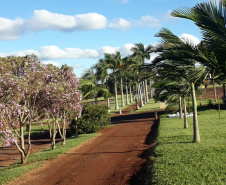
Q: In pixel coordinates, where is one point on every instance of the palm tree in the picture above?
(140, 52)
(181, 54)
(113, 61)
(210, 17)
(102, 74)
(90, 87)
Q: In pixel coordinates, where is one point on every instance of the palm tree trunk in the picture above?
(108, 105)
(151, 94)
(144, 93)
(141, 98)
(146, 90)
(196, 136)
(180, 107)
(185, 115)
(116, 98)
(131, 97)
(122, 98)
(127, 98)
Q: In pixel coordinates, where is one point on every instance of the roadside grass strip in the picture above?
(34, 160)
(150, 106)
(178, 160)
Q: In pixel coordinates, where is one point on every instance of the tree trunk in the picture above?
(137, 106)
(141, 98)
(185, 115)
(151, 93)
(131, 97)
(180, 108)
(196, 136)
(108, 105)
(54, 132)
(215, 93)
(146, 90)
(116, 98)
(127, 98)
(122, 97)
(64, 132)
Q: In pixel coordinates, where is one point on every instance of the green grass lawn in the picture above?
(179, 161)
(34, 160)
(112, 104)
(150, 106)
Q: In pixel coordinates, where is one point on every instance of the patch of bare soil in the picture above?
(120, 155)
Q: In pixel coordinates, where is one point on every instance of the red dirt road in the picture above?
(112, 158)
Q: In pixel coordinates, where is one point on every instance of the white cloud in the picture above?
(52, 52)
(124, 50)
(190, 38)
(45, 20)
(145, 21)
(120, 23)
(51, 62)
(148, 21)
(90, 21)
(11, 29)
(108, 49)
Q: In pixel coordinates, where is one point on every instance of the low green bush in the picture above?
(94, 118)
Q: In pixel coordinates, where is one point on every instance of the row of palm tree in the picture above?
(181, 65)
(127, 71)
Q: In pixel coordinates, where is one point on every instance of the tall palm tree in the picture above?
(102, 74)
(113, 61)
(210, 17)
(140, 52)
(182, 55)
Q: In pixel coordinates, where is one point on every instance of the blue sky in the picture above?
(78, 32)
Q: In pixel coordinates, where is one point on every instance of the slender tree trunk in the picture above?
(180, 108)
(196, 136)
(185, 115)
(127, 98)
(63, 130)
(151, 94)
(141, 98)
(122, 97)
(146, 90)
(54, 132)
(215, 93)
(130, 92)
(137, 106)
(116, 98)
(108, 105)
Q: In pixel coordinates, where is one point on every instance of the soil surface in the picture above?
(118, 156)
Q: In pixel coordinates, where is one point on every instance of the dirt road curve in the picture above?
(114, 157)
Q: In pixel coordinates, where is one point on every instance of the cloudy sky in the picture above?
(78, 33)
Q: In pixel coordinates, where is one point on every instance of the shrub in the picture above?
(94, 118)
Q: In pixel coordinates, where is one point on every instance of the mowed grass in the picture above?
(34, 160)
(179, 161)
(149, 106)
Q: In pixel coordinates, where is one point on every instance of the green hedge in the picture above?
(94, 118)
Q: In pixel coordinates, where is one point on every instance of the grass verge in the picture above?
(179, 161)
(150, 106)
(34, 160)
